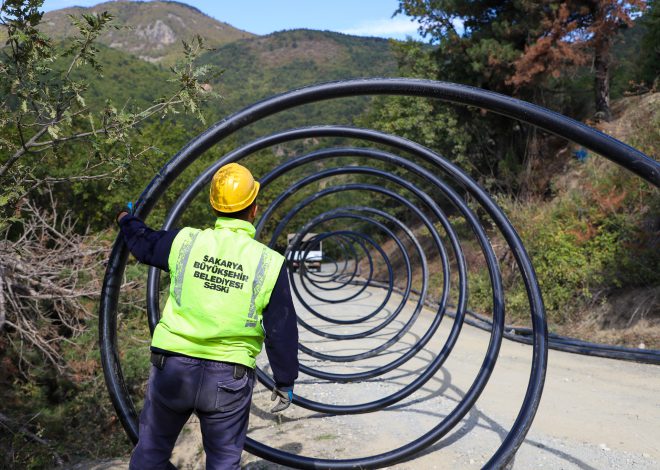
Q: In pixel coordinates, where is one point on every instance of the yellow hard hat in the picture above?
(233, 188)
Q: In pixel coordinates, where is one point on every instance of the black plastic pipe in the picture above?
(542, 118)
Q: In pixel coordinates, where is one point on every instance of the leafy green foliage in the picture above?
(126, 87)
(44, 107)
(480, 53)
(587, 243)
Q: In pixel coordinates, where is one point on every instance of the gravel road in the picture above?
(595, 413)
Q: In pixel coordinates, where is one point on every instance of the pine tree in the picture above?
(577, 32)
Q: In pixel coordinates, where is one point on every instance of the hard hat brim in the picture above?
(239, 206)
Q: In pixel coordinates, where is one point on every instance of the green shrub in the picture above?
(598, 236)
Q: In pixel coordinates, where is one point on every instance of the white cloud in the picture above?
(397, 28)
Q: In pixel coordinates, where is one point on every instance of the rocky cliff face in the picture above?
(150, 30)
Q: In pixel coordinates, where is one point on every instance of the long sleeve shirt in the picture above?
(153, 247)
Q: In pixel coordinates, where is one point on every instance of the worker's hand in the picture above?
(123, 212)
(120, 215)
(285, 399)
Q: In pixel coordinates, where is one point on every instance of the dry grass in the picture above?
(637, 122)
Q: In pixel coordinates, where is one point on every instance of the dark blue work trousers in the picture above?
(186, 385)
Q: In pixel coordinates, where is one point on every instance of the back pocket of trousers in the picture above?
(231, 394)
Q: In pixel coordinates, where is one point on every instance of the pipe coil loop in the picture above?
(409, 186)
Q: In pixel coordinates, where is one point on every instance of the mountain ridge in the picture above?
(254, 66)
(259, 67)
(151, 31)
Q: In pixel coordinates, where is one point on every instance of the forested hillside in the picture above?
(252, 67)
(259, 67)
(243, 72)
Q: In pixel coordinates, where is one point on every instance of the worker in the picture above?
(228, 294)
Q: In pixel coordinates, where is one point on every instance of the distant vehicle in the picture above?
(313, 257)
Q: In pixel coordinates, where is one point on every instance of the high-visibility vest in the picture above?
(221, 279)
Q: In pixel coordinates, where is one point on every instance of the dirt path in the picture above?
(594, 414)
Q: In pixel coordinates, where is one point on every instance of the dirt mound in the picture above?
(634, 117)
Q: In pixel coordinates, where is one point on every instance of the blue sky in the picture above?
(358, 17)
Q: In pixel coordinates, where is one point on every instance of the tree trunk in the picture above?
(602, 78)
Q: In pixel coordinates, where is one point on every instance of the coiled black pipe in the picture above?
(545, 119)
(339, 276)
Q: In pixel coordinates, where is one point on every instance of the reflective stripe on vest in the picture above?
(181, 262)
(259, 278)
(220, 282)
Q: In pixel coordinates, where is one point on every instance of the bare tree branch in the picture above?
(21, 151)
(47, 277)
(139, 118)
